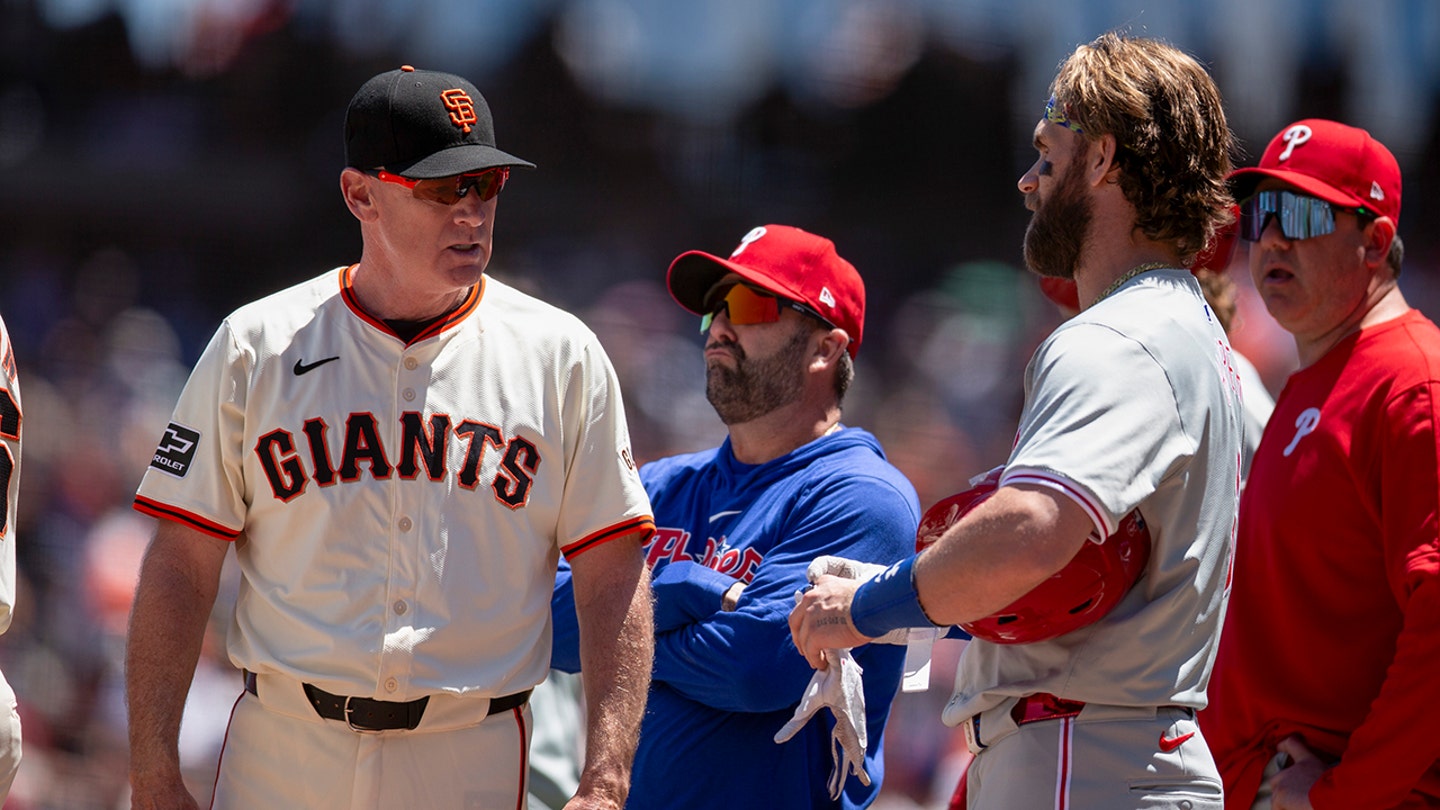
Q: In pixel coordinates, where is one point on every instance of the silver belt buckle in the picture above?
(351, 723)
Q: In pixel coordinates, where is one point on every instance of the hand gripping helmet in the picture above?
(1087, 588)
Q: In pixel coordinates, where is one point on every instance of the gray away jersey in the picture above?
(1133, 403)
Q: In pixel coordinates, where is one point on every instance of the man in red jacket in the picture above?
(1323, 689)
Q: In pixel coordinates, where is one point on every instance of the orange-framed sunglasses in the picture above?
(452, 189)
(746, 305)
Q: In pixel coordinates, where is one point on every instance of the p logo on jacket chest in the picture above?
(1305, 424)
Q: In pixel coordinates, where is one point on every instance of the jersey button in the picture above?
(405, 524)
(408, 394)
(411, 363)
(391, 684)
(400, 607)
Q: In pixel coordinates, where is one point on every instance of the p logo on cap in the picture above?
(1340, 164)
(755, 233)
(1293, 137)
(785, 261)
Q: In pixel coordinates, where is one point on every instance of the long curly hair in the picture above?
(1173, 144)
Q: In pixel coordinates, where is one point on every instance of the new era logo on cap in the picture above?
(786, 261)
(1340, 164)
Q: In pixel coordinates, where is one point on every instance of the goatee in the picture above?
(756, 387)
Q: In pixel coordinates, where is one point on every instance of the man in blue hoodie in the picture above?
(738, 525)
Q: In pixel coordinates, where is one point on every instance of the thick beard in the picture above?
(1057, 229)
(757, 387)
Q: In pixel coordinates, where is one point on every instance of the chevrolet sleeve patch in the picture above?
(176, 450)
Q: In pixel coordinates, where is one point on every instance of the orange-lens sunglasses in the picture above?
(452, 189)
(746, 305)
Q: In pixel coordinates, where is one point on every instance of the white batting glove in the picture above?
(840, 687)
(846, 568)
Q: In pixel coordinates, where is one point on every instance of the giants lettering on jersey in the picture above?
(423, 446)
(668, 545)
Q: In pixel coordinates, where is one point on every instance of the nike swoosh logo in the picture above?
(719, 515)
(301, 368)
(1167, 744)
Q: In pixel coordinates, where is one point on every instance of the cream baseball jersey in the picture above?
(1132, 404)
(398, 508)
(9, 472)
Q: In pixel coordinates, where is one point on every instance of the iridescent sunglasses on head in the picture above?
(1300, 215)
(450, 190)
(746, 305)
(1055, 114)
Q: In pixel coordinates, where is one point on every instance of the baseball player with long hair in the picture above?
(1132, 417)
(1212, 270)
(398, 451)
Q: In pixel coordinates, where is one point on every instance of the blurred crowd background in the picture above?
(163, 161)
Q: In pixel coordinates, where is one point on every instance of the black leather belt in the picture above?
(369, 714)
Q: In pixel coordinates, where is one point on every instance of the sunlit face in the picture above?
(443, 248)
(1312, 286)
(754, 369)
(1054, 191)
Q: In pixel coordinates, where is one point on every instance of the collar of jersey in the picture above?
(454, 317)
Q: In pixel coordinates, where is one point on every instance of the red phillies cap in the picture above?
(1340, 164)
(786, 261)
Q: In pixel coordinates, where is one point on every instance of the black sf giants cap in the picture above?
(422, 124)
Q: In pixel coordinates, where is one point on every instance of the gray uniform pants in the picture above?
(1103, 758)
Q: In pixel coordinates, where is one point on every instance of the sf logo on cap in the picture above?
(1293, 137)
(462, 109)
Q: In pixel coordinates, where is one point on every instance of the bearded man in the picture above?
(1132, 416)
(737, 527)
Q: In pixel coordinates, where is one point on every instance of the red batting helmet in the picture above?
(1217, 254)
(1087, 588)
(1215, 257)
(1062, 292)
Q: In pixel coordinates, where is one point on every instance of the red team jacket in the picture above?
(1333, 627)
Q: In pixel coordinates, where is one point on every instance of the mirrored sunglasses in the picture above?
(744, 305)
(452, 189)
(1301, 216)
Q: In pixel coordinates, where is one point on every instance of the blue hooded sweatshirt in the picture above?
(725, 682)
